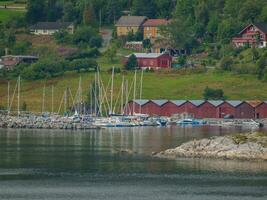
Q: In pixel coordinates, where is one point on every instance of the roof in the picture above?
(159, 102)
(146, 55)
(262, 26)
(178, 102)
(51, 25)
(156, 22)
(197, 102)
(141, 102)
(254, 103)
(215, 102)
(131, 21)
(234, 103)
(21, 56)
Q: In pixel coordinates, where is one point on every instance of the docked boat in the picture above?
(190, 122)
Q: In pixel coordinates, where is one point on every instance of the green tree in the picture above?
(213, 94)
(261, 66)
(131, 63)
(144, 8)
(36, 11)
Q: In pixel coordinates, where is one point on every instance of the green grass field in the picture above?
(155, 86)
(5, 15)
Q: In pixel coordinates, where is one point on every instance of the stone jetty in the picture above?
(251, 146)
(41, 122)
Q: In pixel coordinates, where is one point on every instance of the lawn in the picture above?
(155, 86)
(5, 15)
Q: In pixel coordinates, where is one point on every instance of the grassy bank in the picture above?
(6, 15)
(155, 86)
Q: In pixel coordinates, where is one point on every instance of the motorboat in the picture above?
(190, 122)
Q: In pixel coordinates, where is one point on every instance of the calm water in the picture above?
(42, 164)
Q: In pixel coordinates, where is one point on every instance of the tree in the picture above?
(261, 66)
(36, 11)
(144, 8)
(88, 14)
(132, 63)
(213, 94)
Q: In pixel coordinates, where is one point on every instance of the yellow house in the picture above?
(128, 24)
(152, 28)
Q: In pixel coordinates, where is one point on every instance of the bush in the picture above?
(117, 70)
(89, 53)
(46, 68)
(213, 94)
(226, 63)
(83, 64)
(132, 63)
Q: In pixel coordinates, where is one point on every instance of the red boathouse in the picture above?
(152, 60)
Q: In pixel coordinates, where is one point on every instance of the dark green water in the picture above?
(42, 164)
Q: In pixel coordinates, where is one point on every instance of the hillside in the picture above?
(156, 86)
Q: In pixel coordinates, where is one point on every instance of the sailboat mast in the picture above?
(122, 95)
(8, 98)
(134, 93)
(111, 92)
(95, 97)
(141, 89)
(43, 100)
(52, 98)
(19, 96)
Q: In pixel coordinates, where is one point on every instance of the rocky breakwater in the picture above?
(251, 146)
(39, 122)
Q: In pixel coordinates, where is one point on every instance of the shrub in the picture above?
(132, 63)
(213, 94)
(226, 63)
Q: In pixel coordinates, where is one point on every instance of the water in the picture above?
(44, 164)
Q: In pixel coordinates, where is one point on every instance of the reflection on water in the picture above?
(49, 164)
(104, 150)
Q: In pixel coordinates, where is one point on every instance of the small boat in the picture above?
(190, 122)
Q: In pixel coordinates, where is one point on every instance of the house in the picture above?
(261, 110)
(254, 35)
(10, 61)
(49, 28)
(153, 28)
(128, 24)
(152, 60)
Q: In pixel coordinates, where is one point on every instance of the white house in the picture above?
(49, 28)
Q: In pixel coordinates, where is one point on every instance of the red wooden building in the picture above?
(152, 60)
(171, 108)
(254, 35)
(206, 110)
(261, 110)
(244, 111)
(199, 108)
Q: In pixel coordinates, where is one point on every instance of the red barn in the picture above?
(244, 111)
(152, 60)
(254, 35)
(172, 107)
(261, 110)
(208, 109)
(227, 108)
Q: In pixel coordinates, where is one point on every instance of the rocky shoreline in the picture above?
(39, 122)
(251, 146)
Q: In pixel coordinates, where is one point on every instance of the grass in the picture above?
(12, 3)
(6, 15)
(155, 86)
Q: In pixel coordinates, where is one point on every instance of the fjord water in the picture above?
(116, 164)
